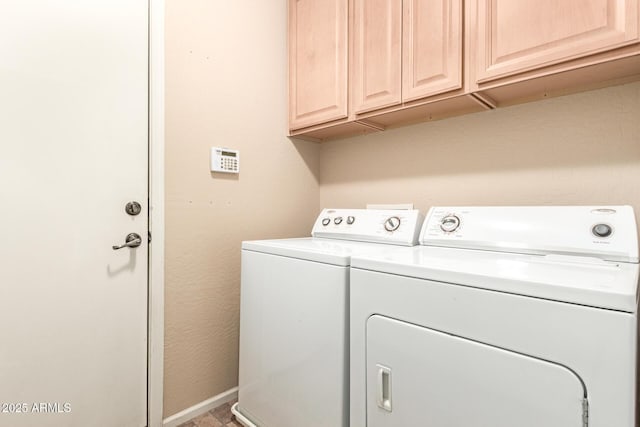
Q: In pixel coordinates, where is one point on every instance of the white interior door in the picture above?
(74, 150)
(420, 377)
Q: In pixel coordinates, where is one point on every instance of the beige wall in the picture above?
(226, 86)
(577, 149)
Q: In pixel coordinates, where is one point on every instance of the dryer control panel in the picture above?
(399, 227)
(605, 232)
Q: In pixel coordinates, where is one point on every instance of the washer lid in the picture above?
(578, 280)
(328, 251)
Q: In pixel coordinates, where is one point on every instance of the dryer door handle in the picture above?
(384, 387)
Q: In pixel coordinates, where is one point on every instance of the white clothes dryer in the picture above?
(505, 316)
(294, 309)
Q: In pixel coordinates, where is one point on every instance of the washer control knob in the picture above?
(392, 223)
(602, 230)
(351, 220)
(337, 220)
(326, 221)
(450, 223)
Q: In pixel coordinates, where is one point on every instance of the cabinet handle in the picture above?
(384, 387)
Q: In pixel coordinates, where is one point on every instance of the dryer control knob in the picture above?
(450, 223)
(392, 223)
(326, 221)
(351, 220)
(337, 220)
(602, 230)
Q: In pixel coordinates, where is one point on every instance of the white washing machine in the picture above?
(505, 317)
(294, 311)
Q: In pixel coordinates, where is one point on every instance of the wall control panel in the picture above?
(225, 160)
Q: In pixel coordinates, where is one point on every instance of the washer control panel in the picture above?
(602, 230)
(392, 224)
(449, 223)
(400, 227)
(607, 232)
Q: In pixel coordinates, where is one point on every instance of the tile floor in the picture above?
(219, 417)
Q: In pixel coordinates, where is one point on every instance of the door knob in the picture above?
(133, 240)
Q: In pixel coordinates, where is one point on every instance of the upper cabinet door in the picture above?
(432, 47)
(377, 54)
(517, 36)
(317, 61)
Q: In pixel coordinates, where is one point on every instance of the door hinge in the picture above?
(585, 412)
(149, 237)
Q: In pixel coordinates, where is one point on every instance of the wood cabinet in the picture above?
(359, 66)
(432, 48)
(404, 50)
(533, 49)
(376, 54)
(399, 52)
(317, 61)
(518, 36)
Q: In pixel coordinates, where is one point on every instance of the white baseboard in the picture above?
(200, 408)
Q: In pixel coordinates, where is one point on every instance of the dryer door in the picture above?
(420, 377)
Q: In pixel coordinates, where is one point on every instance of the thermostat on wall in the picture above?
(225, 160)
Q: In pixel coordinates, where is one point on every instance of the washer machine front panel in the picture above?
(598, 345)
(554, 283)
(293, 338)
(453, 381)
